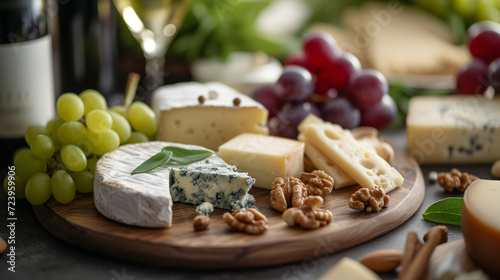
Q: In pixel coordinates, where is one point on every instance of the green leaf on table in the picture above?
(445, 211)
(170, 155)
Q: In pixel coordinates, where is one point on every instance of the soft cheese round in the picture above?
(140, 199)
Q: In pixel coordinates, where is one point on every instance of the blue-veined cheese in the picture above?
(146, 199)
(453, 129)
(206, 114)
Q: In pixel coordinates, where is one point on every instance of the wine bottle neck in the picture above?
(22, 21)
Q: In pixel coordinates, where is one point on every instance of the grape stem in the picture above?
(131, 88)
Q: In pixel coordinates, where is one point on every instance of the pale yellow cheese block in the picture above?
(453, 129)
(321, 161)
(264, 157)
(210, 123)
(363, 164)
(349, 269)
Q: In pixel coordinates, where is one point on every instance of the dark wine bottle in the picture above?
(87, 49)
(26, 72)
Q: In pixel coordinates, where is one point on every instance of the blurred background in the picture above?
(418, 45)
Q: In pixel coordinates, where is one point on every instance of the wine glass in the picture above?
(154, 24)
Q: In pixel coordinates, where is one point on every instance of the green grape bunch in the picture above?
(61, 156)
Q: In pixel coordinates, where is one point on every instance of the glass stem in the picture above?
(155, 75)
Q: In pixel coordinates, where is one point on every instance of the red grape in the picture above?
(483, 40)
(367, 87)
(320, 48)
(338, 72)
(288, 118)
(296, 59)
(494, 75)
(472, 78)
(295, 84)
(341, 111)
(267, 96)
(381, 115)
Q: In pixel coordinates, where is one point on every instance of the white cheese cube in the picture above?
(264, 157)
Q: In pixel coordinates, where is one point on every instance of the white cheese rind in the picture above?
(184, 119)
(145, 199)
(453, 129)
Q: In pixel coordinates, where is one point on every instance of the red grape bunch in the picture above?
(483, 41)
(325, 81)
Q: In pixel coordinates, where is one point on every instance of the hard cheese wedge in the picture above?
(222, 114)
(321, 161)
(349, 269)
(453, 129)
(146, 199)
(264, 157)
(363, 164)
(481, 224)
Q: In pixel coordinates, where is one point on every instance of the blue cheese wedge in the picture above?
(206, 114)
(146, 199)
(460, 129)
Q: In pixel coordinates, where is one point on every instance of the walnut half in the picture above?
(251, 221)
(286, 193)
(309, 216)
(317, 182)
(373, 199)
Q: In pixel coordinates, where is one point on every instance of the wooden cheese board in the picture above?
(220, 246)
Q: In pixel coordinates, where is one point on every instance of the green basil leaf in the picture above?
(445, 211)
(153, 162)
(183, 156)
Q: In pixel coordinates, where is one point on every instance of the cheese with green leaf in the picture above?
(146, 199)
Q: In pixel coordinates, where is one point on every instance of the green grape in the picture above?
(53, 126)
(42, 146)
(119, 110)
(91, 162)
(70, 107)
(72, 132)
(19, 151)
(142, 118)
(33, 131)
(137, 137)
(92, 100)
(86, 147)
(27, 164)
(38, 189)
(465, 8)
(15, 184)
(103, 142)
(73, 157)
(99, 121)
(84, 181)
(63, 187)
(486, 10)
(121, 126)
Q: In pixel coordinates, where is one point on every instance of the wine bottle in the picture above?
(87, 55)
(26, 72)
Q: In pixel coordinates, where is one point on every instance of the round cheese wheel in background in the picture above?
(481, 224)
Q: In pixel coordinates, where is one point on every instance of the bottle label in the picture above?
(26, 86)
